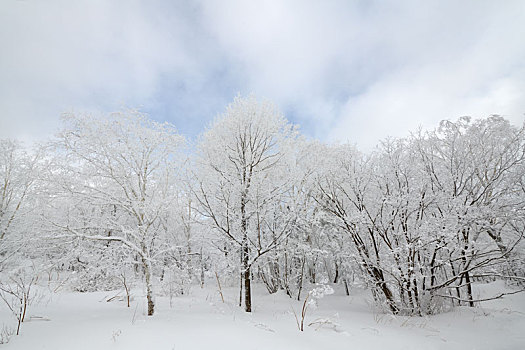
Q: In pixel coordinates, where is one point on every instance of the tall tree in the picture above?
(241, 166)
(123, 169)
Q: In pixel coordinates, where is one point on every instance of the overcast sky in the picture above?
(354, 71)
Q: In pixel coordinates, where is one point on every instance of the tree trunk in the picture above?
(126, 288)
(247, 280)
(466, 274)
(241, 279)
(469, 289)
(336, 277)
(245, 252)
(380, 282)
(202, 269)
(149, 289)
(301, 277)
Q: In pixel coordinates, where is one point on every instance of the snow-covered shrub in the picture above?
(18, 293)
(310, 302)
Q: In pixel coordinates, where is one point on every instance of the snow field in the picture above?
(200, 320)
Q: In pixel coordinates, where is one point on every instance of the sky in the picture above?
(345, 71)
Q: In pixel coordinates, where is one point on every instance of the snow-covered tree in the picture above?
(119, 175)
(430, 213)
(19, 172)
(242, 164)
(472, 170)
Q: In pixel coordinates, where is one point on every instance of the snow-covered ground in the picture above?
(201, 321)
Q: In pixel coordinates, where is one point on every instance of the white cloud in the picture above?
(363, 71)
(85, 55)
(355, 71)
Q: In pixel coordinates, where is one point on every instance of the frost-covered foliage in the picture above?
(20, 197)
(118, 177)
(115, 201)
(243, 167)
(430, 214)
